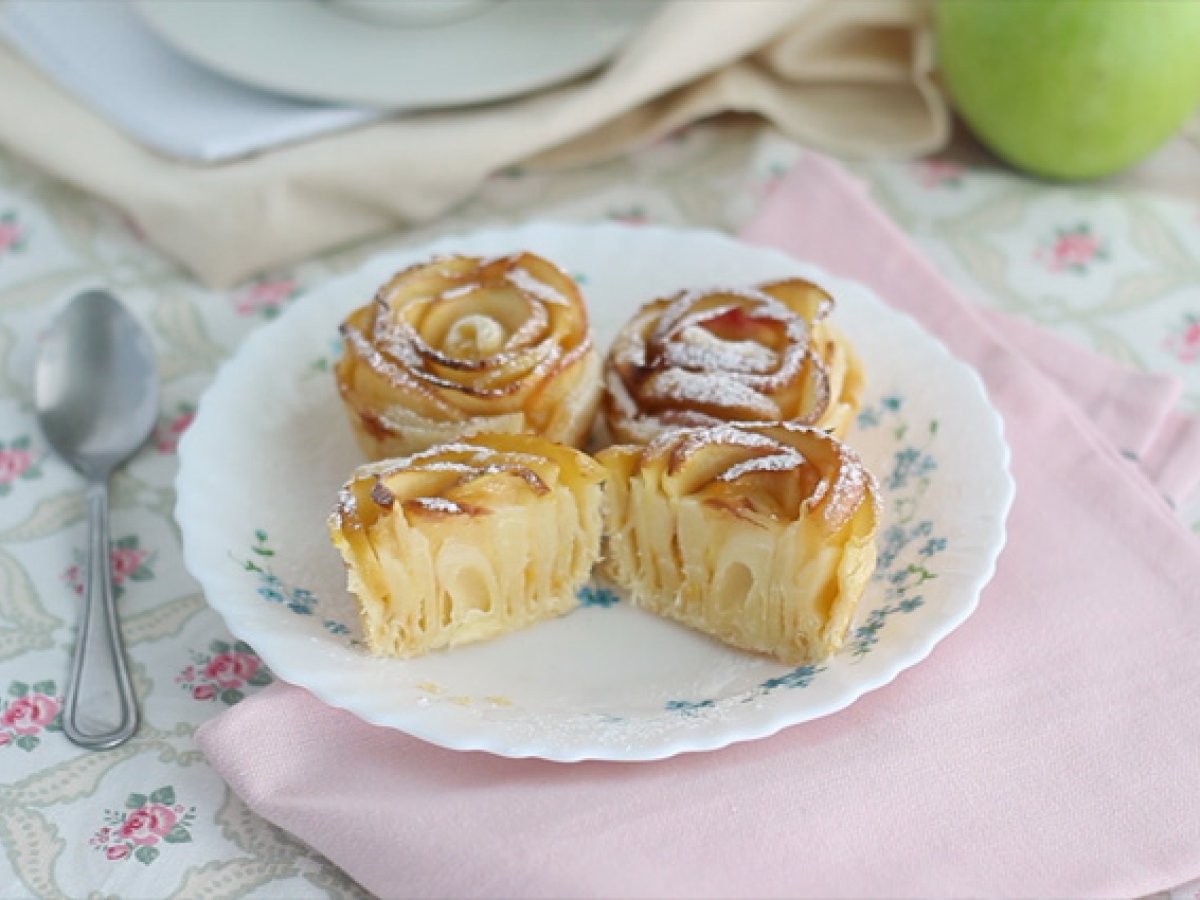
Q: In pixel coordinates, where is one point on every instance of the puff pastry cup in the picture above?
(463, 345)
(761, 535)
(468, 541)
(700, 358)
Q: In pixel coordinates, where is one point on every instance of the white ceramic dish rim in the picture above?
(282, 652)
(377, 47)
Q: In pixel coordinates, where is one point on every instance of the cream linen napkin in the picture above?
(853, 78)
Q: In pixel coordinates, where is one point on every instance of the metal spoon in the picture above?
(96, 391)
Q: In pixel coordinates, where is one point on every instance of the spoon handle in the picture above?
(109, 716)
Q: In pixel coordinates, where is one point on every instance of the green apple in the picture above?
(1071, 88)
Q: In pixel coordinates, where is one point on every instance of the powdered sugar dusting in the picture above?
(459, 290)
(843, 482)
(620, 396)
(445, 466)
(531, 329)
(848, 488)
(437, 504)
(682, 306)
(480, 463)
(478, 357)
(700, 349)
(682, 443)
(528, 284)
(731, 351)
(709, 389)
(786, 461)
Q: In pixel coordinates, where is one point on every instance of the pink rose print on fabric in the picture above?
(17, 463)
(128, 559)
(1072, 250)
(14, 462)
(224, 673)
(266, 298)
(171, 427)
(73, 576)
(231, 669)
(1183, 342)
(144, 826)
(148, 824)
(12, 233)
(936, 173)
(27, 712)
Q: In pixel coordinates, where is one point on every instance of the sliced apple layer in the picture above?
(469, 540)
(761, 535)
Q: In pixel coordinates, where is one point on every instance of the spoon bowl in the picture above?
(96, 394)
(96, 386)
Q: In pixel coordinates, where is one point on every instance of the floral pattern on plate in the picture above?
(274, 589)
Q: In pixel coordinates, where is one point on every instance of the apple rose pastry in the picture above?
(764, 354)
(762, 535)
(467, 541)
(462, 345)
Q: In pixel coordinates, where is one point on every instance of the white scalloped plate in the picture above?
(270, 446)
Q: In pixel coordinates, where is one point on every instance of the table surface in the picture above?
(1115, 267)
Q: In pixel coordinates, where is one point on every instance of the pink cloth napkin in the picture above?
(1047, 747)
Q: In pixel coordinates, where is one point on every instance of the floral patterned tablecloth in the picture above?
(1115, 268)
